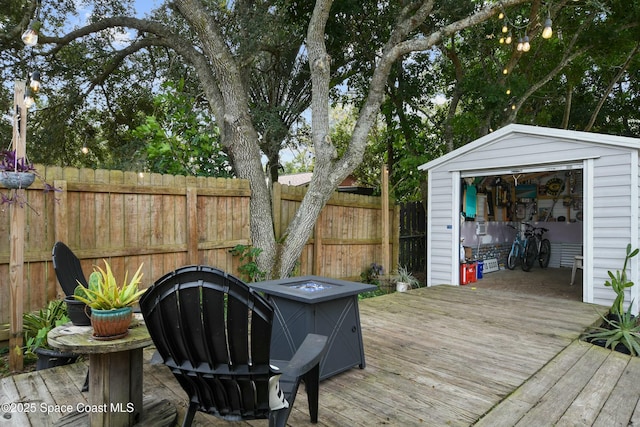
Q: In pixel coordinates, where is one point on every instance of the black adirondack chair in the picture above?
(214, 333)
(68, 268)
(69, 273)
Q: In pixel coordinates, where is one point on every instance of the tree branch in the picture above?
(609, 88)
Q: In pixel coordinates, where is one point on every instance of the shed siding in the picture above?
(611, 219)
(440, 236)
(635, 229)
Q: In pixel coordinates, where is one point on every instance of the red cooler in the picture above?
(464, 274)
(472, 271)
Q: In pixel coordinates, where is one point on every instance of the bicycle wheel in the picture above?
(529, 254)
(545, 253)
(512, 260)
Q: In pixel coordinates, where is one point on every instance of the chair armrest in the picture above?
(306, 357)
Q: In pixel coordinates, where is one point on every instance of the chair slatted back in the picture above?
(214, 332)
(67, 267)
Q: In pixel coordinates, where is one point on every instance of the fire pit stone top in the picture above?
(311, 288)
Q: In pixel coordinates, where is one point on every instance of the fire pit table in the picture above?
(319, 305)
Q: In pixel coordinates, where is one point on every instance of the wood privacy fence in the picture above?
(167, 221)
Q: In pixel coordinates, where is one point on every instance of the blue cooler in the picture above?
(480, 268)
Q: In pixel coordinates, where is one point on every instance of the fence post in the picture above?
(17, 242)
(386, 255)
(192, 225)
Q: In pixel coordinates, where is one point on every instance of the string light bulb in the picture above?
(30, 36)
(519, 45)
(509, 39)
(28, 97)
(34, 84)
(508, 92)
(547, 32)
(525, 44)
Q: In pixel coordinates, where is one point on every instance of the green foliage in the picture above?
(37, 325)
(180, 138)
(619, 282)
(104, 292)
(372, 275)
(248, 265)
(79, 291)
(620, 329)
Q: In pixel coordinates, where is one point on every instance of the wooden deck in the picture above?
(440, 356)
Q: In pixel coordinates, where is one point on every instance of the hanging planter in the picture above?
(15, 172)
(18, 173)
(16, 180)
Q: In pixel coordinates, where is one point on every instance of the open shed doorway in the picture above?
(493, 205)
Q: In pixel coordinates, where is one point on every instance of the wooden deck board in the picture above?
(9, 395)
(587, 405)
(441, 356)
(622, 401)
(560, 395)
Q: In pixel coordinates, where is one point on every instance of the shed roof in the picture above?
(538, 131)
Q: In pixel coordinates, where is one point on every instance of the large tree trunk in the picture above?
(236, 128)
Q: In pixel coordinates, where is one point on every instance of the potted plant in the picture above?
(36, 326)
(17, 172)
(405, 280)
(79, 312)
(621, 333)
(620, 329)
(111, 303)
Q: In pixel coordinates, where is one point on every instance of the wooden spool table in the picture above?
(115, 374)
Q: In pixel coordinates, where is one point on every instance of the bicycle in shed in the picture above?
(536, 248)
(529, 245)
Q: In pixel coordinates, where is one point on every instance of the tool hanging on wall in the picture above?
(554, 187)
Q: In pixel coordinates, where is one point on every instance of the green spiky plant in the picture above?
(619, 282)
(624, 329)
(405, 276)
(104, 293)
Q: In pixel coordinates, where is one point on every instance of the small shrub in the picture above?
(372, 276)
(248, 266)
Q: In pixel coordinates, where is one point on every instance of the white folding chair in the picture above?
(577, 264)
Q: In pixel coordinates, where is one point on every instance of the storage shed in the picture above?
(583, 186)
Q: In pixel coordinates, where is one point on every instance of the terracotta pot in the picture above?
(111, 324)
